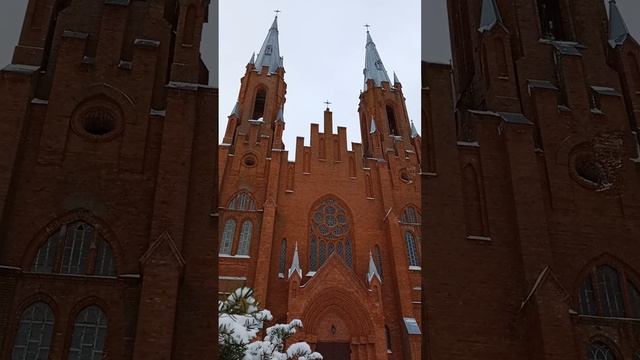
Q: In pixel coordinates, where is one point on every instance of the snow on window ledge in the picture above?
(281, 275)
(480, 238)
(415, 268)
(310, 273)
(234, 256)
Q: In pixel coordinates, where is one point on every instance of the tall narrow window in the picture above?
(259, 104)
(587, 298)
(387, 334)
(322, 149)
(104, 260)
(227, 237)
(189, 25)
(501, 58)
(329, 232)
(612, 304)
(378, 260)
(46, 257)
(245, 238)
(412, 249)
(599, 351)
(283, 258)
(391, 118)
(472, 202)
(635, 72)
(89, 333)
(352, 167)
(34, 333)
(551, 25)
(76, 248)
(634, 300)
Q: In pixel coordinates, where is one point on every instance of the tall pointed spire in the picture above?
(618, 30)
(253, 59)
(295, 264)
(373, 67)
(490, 15)
(269, 54)
(236, 110)
(414, 131)
(374, 128)
(395, 78)
(373, 270)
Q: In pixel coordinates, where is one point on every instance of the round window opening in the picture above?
(249, 161)
(588, 171)
(98, 122)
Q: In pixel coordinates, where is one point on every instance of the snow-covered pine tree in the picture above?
(240, 320)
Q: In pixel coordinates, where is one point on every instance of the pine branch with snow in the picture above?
(240, 320)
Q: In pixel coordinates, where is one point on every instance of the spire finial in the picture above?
(373, 269)
(277, 12)
(367, 26)
(414, 131)
(295, 264)
(327, 103)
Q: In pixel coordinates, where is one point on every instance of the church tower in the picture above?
(107, 183)
(332, 237)
(384, 121)
(537, 166)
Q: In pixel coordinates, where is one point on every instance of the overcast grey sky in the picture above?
(323, 48)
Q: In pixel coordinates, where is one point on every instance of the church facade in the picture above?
(532, 184)
(333, 237)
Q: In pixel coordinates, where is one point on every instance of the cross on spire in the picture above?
(277, 12)
(367, 26)
(327, 103)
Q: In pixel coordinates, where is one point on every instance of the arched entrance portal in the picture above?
(342, 318)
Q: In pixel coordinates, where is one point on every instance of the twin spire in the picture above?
(269, 54)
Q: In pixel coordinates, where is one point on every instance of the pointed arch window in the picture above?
(330, 231)
(387, 334)
(33, 339)
(410, 215)
(602, 294)
(412, 249)
(76, 248)
(243, 201)
(259, 104)
(245, 238)
(227, 237)
(550, 15)
(599, 351)
(587, 298)
(391, 118)
(89, 334)
(612, 304)
(634, 300)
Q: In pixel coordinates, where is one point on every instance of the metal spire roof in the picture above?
(269, 54)
(618, 30)
(414, 132)
(373, 67)
(253, 58)
(373, 270)
(236, 110)
(295, 264)
(490, 15)
(373, 126)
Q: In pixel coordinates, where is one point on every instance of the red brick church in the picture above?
(332, 238)
(531, 187)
